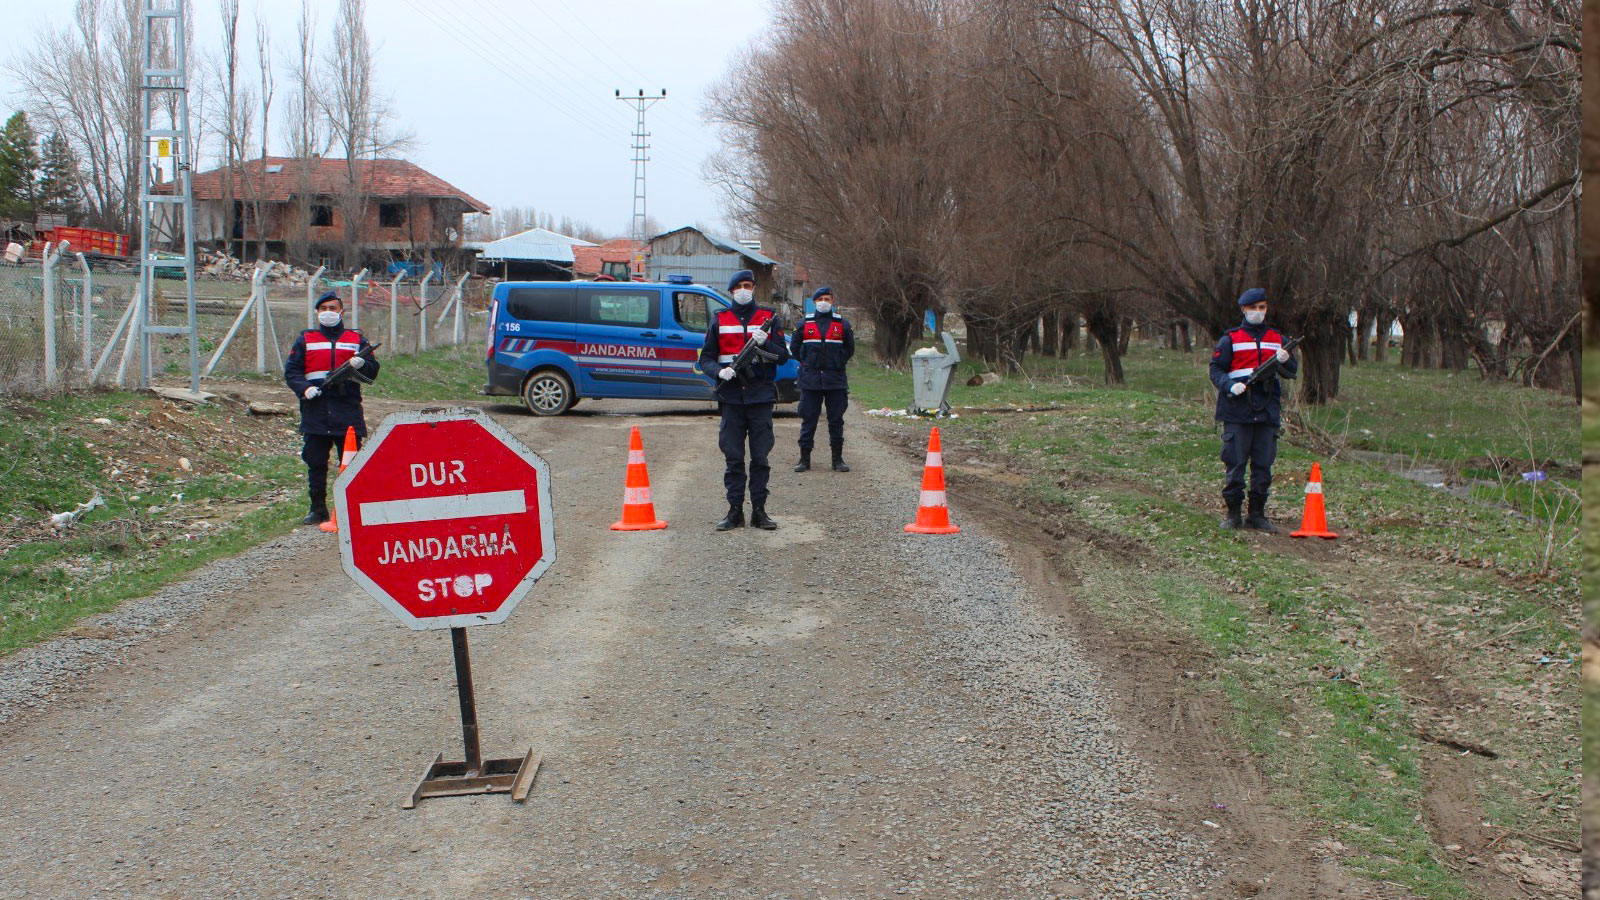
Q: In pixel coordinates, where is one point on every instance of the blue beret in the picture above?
(1254, 295)
(821, 292)
(330, 295)
(741, 275)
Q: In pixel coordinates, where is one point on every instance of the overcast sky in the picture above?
(511, 100)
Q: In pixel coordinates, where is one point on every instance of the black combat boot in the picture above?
(734, 518)
(838, 461)
(1233, 521)
(760, 519)
(1257, 518)
(804, 465)
(319, 509)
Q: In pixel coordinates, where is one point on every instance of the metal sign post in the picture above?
(447, 521)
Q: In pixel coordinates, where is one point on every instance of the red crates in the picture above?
(89, 240)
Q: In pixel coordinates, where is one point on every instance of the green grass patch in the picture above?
(444, 376)
(1305, 651)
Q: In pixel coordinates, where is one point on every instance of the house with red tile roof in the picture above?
(299, 209)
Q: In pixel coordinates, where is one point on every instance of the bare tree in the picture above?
(306, 136)
(360, 121)
(81, 82)
(264, 59)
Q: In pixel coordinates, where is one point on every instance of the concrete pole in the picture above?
(49, 263)
(422, 317)
(88, 313)
(455, 332)
(355, 299)
(394, 313)
(311, 297)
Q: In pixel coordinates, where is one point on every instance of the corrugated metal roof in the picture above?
(722, 243)
(535, 243)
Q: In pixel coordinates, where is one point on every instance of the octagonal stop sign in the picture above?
(446, 518)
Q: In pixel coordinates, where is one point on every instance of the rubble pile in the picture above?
(222, 265)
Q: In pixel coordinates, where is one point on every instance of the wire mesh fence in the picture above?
(87, 318)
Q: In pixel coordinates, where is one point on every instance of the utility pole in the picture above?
(641, 155)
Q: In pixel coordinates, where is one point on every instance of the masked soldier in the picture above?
(1250, 414)
(326, 412)
(824, 345)
(746, 396)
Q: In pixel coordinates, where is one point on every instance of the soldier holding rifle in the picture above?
(744, 347)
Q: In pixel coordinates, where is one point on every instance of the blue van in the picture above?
(555, 342)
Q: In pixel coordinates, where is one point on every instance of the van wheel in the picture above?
(547, 393)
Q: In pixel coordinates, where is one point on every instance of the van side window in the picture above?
(640, 309)
(540, 304)
(690, 311)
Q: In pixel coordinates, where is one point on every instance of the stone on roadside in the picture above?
(267, 408)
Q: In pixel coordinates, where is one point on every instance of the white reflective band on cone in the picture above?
(936, 459)
(635, 496)
(1314, 487)
(933, 498)
(635, 457)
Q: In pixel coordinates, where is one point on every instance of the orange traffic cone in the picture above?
(933, 516)
(1315, 521)
(332, 525)
(638, 512)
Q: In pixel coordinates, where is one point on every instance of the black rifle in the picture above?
(1270, 367)
(346, 372)
(753, 353)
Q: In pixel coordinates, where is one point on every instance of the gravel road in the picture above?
(832, 710)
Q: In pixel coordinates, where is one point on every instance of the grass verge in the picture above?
(1442, 614)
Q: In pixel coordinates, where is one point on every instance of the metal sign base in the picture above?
(494, 776)
(474, 775)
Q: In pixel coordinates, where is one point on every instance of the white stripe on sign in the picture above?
(635, 496)
(936, 459)
(933, 498)
(433, 509)
(1314, 487)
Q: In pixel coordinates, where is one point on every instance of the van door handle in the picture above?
(674, 337)
(647, 334)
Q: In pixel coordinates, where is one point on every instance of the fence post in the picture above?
(394, 312)
(311, 297)
(256, 290)
(261, 335)
(88, 313)
(455, 331)
(422, 312)
(49, 263)
(355, 299)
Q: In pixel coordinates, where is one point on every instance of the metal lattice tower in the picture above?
(641, 155)
(164, 122)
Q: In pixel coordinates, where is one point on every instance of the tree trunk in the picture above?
(1103, 330)
(1380, 347)
(1188, 336)
(1322, 352)
(1050, 345)
(981, 341)
(1069, 332)
(1124, 335)
(892, 331)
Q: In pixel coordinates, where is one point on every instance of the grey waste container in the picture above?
(931, 374)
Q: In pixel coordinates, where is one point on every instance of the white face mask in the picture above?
(824, 307)
(743, 296)
(1256, 318)
(328, 318)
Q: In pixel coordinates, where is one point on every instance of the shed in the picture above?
(537, 254)
(709, 259)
